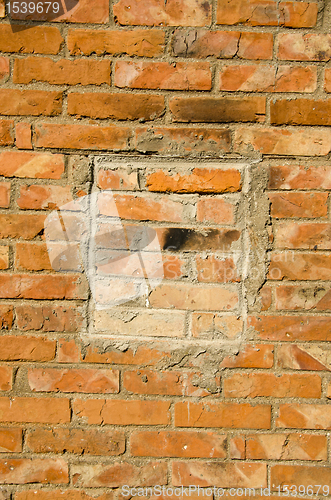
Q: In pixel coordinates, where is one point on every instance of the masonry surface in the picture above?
(210, 123)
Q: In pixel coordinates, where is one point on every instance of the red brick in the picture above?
(38, 410)
(6, 133)
(298, 205)
(304, 357)
(267, 13)
(10, 440)
(286, 447)
(178, 444)
(163, 75)
(182, 140)
(291, 328)
(4, 69)
(49, 318)
(252, 385)
(303, 235)
(304, 416)
(73, 380)
(39, 40)
(300, 112)
(38, 287)
(199, 180)
(25, 226)
(152, 13)
(120, 412)
(213, 269)
(303, 297)
(327, 80)
(53, 135)
(61, 495)
(34, 165)
(308, 47)
(86, 11)
(61, 72)
(26, 470)
(268, 78)
(4, 194)
(220, 109)
(79, 441)
(118, 474)
(116, 106)
(6, 317)
(6, 378)
(4, 257)
(23, 135)
(255, 46)
(252, 356)
(299, 177)
(298, 142)
(230, 415)
(30, 102)
(301, 475)
(301, 266)
(147, 43)
(120, 178)
(22, 348)
(224, 475)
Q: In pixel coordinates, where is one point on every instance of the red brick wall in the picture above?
(210, 121)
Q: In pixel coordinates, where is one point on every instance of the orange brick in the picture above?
(118, 179)
(305, 235)
(163, 75)
(299, 177)
(79, 441)
(10, 440)
(147, 43)
(6, 132)
(4, 194)
(49, 318)
(187, 239)
(22, 348)
(38, 40)
(290, 328)
(142, 355)
(205, 324)
(301, 266)
(6, 317)
(286, 447)
(23, 135)
(4, 69)
(252, 356)
(304, 47)
(58, 494)
(217, 270)
(26, 470)
(30, 102)
(304, 416)
(37, 197)
(6, 378)
(300, 112)
(4, 257)
(216, 211)
(25, 226)
(298, 205)
(304, 357)
(86, 11)
(230, 415)
(237, 447)
(178, 444)
(38, 410)
(303, 475)
(303, 297)
(34, 165)
(327, 80)
(42, 286)
(53, 135)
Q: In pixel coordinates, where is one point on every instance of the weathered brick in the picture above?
(79, 441)
(26, 226)
(147, 43)
(268, 78)
(38, 40)
(118, 179)
(34, 165)
(4, 69)
(38, 410)
(303, 235)
(4, 194)
(86, 11)
(285, 205)
(299, 177)
(62, 72)
(23, 136)
(22, 348)
(25, 470)
(301, 266)
(308, 47)
(303, 475)
(300, 112)
(206, 324)
(6, 317)
(6, 378)
(40, 287)
(30, 102)
(116, 106)
(304, 416)
(10, 440)
(212, 269)
(6, 132)
(286, 447)
(58, 494)
(187, 239)
(163, 75)
(178, 444)
(291, 328)
(68, 351)
(4, 257)
(37, 197)
(304, 357)
(251, 356)
(152, 13)
(53, 135)
(216, 211)
(49, 318)
(220, 109)
(304, 297)
(327, 80)
(237, 447)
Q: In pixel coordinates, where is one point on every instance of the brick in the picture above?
(78, 441)
(302, 266)
(237, 447)
(61, 72)
(116, 106)
(61, 494)
(146, 43)
(120, 412)
(222, 44)
(2, 9)
(118, 474)
(178, 444)
(6, 378)
(299, 177)
(4, 257)
(304, 475)
(300, 112)
(6, 317)
(199, 180)
(267, 13)
(49, 318)
(327, 80)
(86, 11)
(38, 197)
(220, 109)
(22, 348)
(267, 78)
(210, 324)
(252, 385)
(165, 383)
(34, 165)
(224, 475)
(286, 447)
(213, 269)
(34, 410)
(30, 102)
(308, 47)
(291, 328)
(38, 40)
(193, 297)
(6, 133)
(304, 416)
(182, 141)
(298, 142)
(152, 13)
(163, 75)
(251, 356)
(303, 297)
(286, 205)
(304, 357)
(73, 380)
(39, 287)
(303, 235)
(148, 356)
(4, 194)
(120, 178)
(229, 415)
(10, 440)
(26, 226)
(4, 69)
(68, 351)
(23, 135)
(52, 135)
(26, 470)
